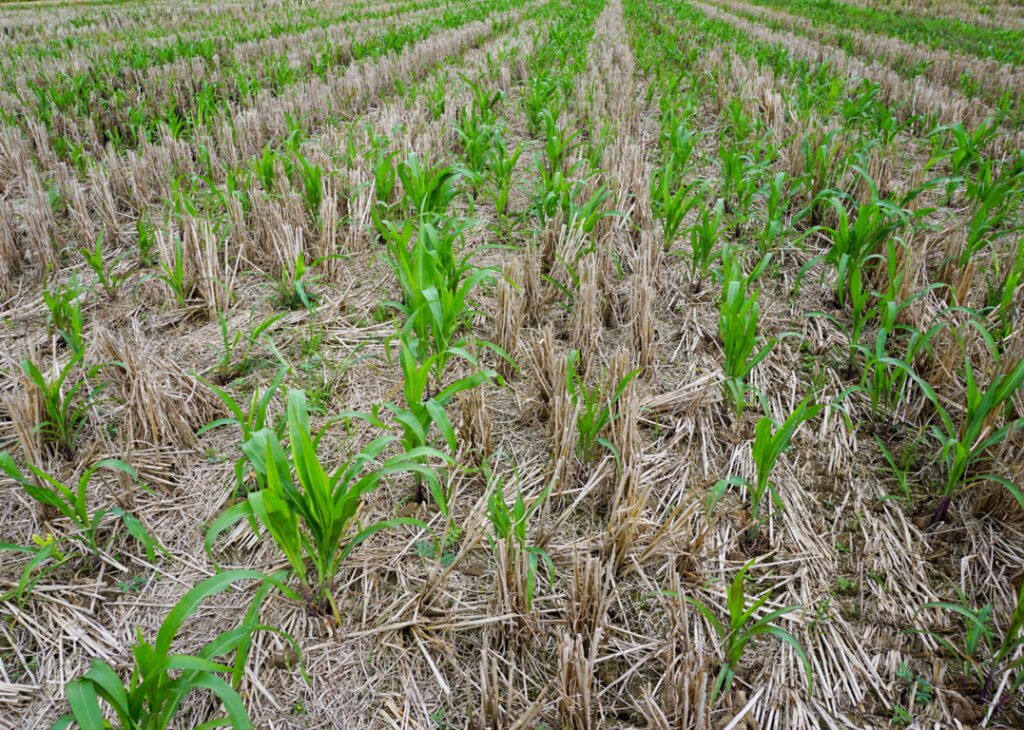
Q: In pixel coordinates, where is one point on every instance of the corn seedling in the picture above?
(679, 143)
(594, 407)
(72, 503)
(265, 169)
(540, 101)
(510, 544)
(586, 214)
(558, 144)
(740, 124)
(671, 207)
(994, 200)
(313, 517)
(553, 192)
(424, 410)
(986, 656)
(704, 234)
(854, 243)
(64, 308)
(502, 166)
(428, 190)
(235, 361)
(65, 404)
(249, 421)
(311, 184)
(966, 149)
(160, 680)
(775, 210)
(483, 102)
(172, 274)
(146, 244)
(43, 550)
(385, 178)
(293, 290)
(885, 377)
(437, 94)
(476, 132)
(743, 627)
(860, 314)
(899, 466)
(737, 326)
(964, 445)
(436, 285)
(769, 443)
(105, 276)
(825, 159)
(740, 181)
(1002, 291)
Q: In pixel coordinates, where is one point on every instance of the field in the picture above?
(512, 364)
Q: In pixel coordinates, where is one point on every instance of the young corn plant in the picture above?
(146, 244)
(293, 286)
(161, 680)
(385, 178)
(986, 656)
(172, 275)
(502, 166)
(854, 243)
(64, 308)
(679, 143)
(594, 407)
(775, 226)
(554, 192)
(510, 543)
(899, 466)
(585, 215)
(72, 502)
(671, 207)
(428, 190)
(737, 326)
(558, 143)
(310, 180)
(436, 287)
(476, 129)
(885, 377)
(424, 409)
(312, 517)
(437, 94)
(769, 443)
(46, 556)
(825, 159)
(265, 169)
(994, 200)
(860, 315)
(1001, 294)
(740, 177)
(966, 149)
(249, 422)
(65, 403)
(105, 275)
(964, 445)
(540, 101)
(236, 360)
(743, 627)
(704, 234)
